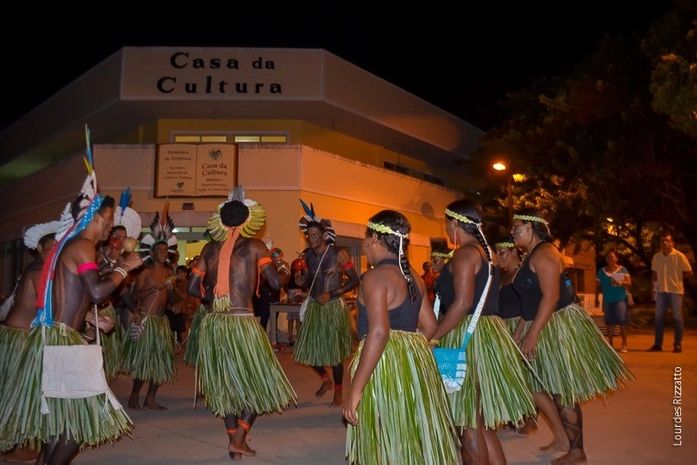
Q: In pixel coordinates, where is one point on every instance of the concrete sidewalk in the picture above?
(635, 426)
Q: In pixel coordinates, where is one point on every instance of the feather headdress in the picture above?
(74, 219)
(127, 217)
(311, 218)
(33, 234)
(244, 218)
(161, 230)
(249, 227)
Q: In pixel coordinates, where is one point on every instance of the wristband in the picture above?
(121, 271)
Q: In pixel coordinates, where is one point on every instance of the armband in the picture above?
(263, 261)
(87, 266)
(197, 272)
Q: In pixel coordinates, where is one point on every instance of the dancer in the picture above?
(126, 230)
(149, 347)
(324, 339)
(390, 424)
(70, 283)
(40, 239)
(557, 330)
(495, 391)
(240, 376)
(443, 286)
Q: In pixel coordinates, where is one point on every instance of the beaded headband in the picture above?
(536, 219)
(443, 254)
(381, 228)
(459, 217)
(504, 245)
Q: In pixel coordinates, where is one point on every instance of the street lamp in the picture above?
(502, 168)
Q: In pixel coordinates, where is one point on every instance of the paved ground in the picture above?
(635, 426)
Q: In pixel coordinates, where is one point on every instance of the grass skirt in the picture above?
(325, 335)
(511, 324)
(191, 352)
(151, 358)
(238, 370)
(112, 344)
(495, 374)
(403, 413)
(11, 343)
(89, 421)
(573, 359)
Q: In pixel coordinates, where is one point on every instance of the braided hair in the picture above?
(467, 210)
(398, 224)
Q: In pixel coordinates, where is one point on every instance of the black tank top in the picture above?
(527, 286)
(509, 302)
(446, 291)
(403, 318)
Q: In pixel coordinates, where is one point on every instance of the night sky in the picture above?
(463, 63)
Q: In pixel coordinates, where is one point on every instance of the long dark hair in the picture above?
(467, 208)
(398, 223)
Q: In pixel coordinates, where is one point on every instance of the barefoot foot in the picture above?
(573, 457)
(326, 385)
(152, 405)
(557, 445)
(241, 448)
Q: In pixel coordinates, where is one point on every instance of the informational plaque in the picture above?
(195, 170)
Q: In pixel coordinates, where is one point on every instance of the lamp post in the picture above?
(501, 167)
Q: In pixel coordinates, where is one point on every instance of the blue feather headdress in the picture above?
(126, 216)
(310, 218)
(74, 219)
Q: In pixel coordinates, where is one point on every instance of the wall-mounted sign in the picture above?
(195, 170)
(213, 73)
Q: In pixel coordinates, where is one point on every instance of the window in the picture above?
(434, 179)
(251, 138)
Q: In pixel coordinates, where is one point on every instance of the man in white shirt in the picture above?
(669, 267)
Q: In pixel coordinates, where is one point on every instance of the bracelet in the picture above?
(121, 271)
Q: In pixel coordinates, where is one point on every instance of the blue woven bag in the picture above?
(452, 363)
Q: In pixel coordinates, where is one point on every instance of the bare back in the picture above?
(24, 309)
(243, 272)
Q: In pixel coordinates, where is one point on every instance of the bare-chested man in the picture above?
(16, 326)
(69, 423)
(240, 376)
(324, 338)
(150, 357)
(114, 307)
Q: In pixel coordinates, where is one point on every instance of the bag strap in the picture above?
(152, 302)
(96, 322)
(478, 311)
(309, 292)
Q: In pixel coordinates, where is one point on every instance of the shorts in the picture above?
(616, 313)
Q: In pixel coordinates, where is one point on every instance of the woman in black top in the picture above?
(552, 315)
(396, 404)
(443, 286)
(494, 392)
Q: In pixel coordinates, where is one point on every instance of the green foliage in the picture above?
(596, 145)
(672, 46)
